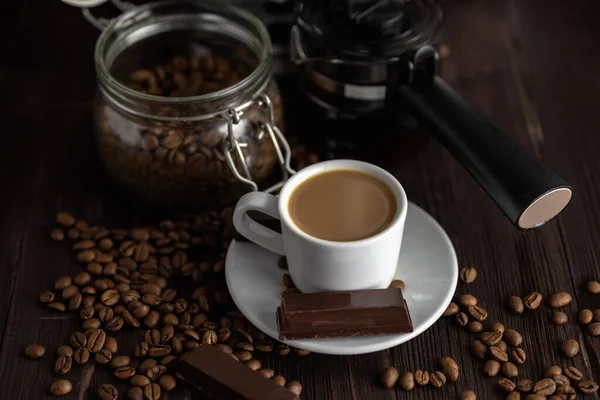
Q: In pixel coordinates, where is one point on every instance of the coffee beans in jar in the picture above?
(165, 100)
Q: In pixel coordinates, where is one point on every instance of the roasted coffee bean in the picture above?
(64, 350)
(513, 396)
(253, 364)
(86, 313)
(47, 297)
(192, 334)
(532, 300)
(245, 346)
(129, 319)
(518, 356)
(266, 373)
(78, 339)
(92, 323)
(146, 365)
(110, 269)
(108, 392)
(585, 316)
(94, 268)
(63, 365)
(497, 326)
(478, 349)
(475, 327)
(152, 392)
(160, 350)
(124, 372)
(110, 297)
(502, 346)
(282, 349)
(88, 301)
(467, 300)
(63, 283)
(588, 387)
(61, 387)
(512, 337)
(81, 355)
(536, 397)
(596, 315)
(35, 351)
(166, 334)
(152, 337)
(545, 387)
(560, 299)
(224, 334)
(65, 219)
(437, 379)
(243, 355)
(294, 387)
(142, 310)
(491, 338)
(115, 324)
(593, 287)
(95, 340)
(553, 370)
(397, 284)
(57, 234)
(452, 309)
(389, 377)
(86, 256)
(119, 361)
(478, 313)
(106, 314)
(75, 302)
(139, 380)
(170, 319)
(509, 370)
(450, 368)
(516, 305)
(73, 233)
(278, 379)
(407, 381)
(560, 380)
(594, 328)
(564, 392)
(177, 345)
(462, 319)
(559, 318)
(467, 395)
(223, 348)
(141, 349)
(135, 393)
(491, 368)
(155, 372)
(497, 354)
(421, 377)
(468, 274)
(570, 348)
(69, 291)
(103, 356)
(506, 384)
(525, 385)
(573, 373)
(167, 382)
(151, 319)
(88, 290)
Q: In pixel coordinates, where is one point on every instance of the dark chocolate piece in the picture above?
(220, 377)
(341, 314)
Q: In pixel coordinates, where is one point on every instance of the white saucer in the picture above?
(429, 270)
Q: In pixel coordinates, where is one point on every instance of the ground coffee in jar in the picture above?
(172, 77)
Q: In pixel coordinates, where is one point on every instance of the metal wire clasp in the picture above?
(233, 149)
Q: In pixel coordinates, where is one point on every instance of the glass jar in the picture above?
(185, 92)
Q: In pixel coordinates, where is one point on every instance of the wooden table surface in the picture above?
(532, 65)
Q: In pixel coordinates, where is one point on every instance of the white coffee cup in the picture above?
(318, 265)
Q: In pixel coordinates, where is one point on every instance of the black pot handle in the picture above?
(525, 190)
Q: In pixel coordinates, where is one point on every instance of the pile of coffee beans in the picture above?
(177, 163)
(448, 372)
(139, 280)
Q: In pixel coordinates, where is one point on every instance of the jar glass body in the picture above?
(168, 75)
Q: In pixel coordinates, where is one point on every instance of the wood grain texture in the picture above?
(532, 65)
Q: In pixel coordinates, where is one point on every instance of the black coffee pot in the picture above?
(360, 57)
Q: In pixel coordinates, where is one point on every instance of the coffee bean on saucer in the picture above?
(61, 387)
(279, 380)
(585, 316)
(560, 299)
(515, 303)
(407, 381)
(570, 348)
(421, 377)
(452, 309)
(593, 287)
(397, 283)
(559, 318)
(467, 300)
(462, 319)
(294, 387)
(35, 351)
(532, 300)
(468, 274)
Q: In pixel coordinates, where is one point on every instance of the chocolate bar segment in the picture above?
(220, 377)
(342, 314)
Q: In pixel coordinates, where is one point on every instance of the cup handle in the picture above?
(252, 230)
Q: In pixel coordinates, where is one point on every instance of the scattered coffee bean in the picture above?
(61, 387)
(560, 299)
(512, 337)
(479, 349)
(491, 368)
(294, 387)
(152, 392)
(64, 350)
(518, 356)
(475, 327)
(135, 393)
(65, 219)
(278, 379)
(57, 234)
(78, 339)
(103, 356)
(35, 351)
(536, 397)
(559, 318)
(244, 355)
(468, 274)
(437, 379)
(532, 300)
(96, 340)
(139, 380)
(545, 387)
(596, 315)
(168, 383)
(63, 282)
(594, 328)
(506, 384)
(467, 395)
(525, 385)
(516, 305)
(573, 373)
(119, 361)
(92, 323)
(63, 365)
(450, 368)
(593, 287)
(81, 355)
(254, 364)
(452, 309)
(513, 396)
(553, 370)
(570, 348)
(155, 372)
(565, 392)
(588, 387)
(397, 283)
(502, 346)
(491, 338)
(462, 319)
(479, 313)
(509, 370)
(497, 326)
(108, 392)
(585, 316)
(301, 352)
(407, 381)
(111, 345)
(560, 380)
(467, 300)
(125, 372)
(498, 354)
(421, 377)
(47, 297)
